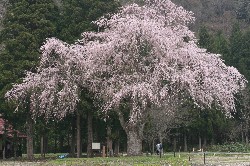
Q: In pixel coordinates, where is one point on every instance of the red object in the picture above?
(5, 126)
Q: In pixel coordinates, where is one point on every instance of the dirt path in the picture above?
(232, 160)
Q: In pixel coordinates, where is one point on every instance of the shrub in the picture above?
(232, 147)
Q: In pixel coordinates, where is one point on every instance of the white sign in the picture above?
(96, 146)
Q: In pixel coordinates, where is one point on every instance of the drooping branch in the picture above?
(144, 53)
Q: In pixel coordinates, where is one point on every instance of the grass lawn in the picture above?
(227, 159)
(180, 159)
(52, 160)
(123, 161)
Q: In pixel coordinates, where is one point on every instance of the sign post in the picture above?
(103, 151)
(96, 147)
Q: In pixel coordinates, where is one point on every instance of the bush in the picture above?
(232, 147)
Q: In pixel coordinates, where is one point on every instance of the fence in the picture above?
(217, 158)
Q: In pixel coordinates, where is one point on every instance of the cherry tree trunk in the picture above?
(30, 153)
(134, 143)
(109, 141)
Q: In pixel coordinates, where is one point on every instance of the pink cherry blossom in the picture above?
(144, 53)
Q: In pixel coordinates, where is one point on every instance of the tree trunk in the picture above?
(185, 142)
(174, 144)
(90, 134)
(72, 144)
(30, 154)
(199, 142)
(242, 134)
(78, 137)
(212, 141)
(109, 141)
(42, 147)
(68, 141)
(205, 142)
(242, 137)
(73, 139)
(246, 133)
(46, 144)
(117, 144)
(15, 145)
(4, 152)
(4, 142)
(117, 147)
(153, 146)
(81, 146)
(134, 136)
(134, 143)
(61, 139)
(55, 144)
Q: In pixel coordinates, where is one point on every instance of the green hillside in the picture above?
(215, 14)
(218, 14)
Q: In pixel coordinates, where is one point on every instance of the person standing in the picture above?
(158, 148)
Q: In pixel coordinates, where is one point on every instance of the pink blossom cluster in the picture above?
(145, 54)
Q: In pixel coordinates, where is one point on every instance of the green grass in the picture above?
(122, 161)
(53, 160)
(167, 159)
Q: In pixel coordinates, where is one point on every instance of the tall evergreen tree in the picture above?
(25, 27)
(220, 45)
(235, 44)
(78, 15)
(242, 9)
(240, 58)
(244, 62)
(205, 39)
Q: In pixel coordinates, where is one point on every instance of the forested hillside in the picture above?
(215, 14)
(219, 14)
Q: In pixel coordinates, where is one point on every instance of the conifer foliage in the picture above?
(25, 27)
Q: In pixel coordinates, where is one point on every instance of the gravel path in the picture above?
(18, 163)
(234, 160)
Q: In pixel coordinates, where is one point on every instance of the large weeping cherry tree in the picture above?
(142, 57)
